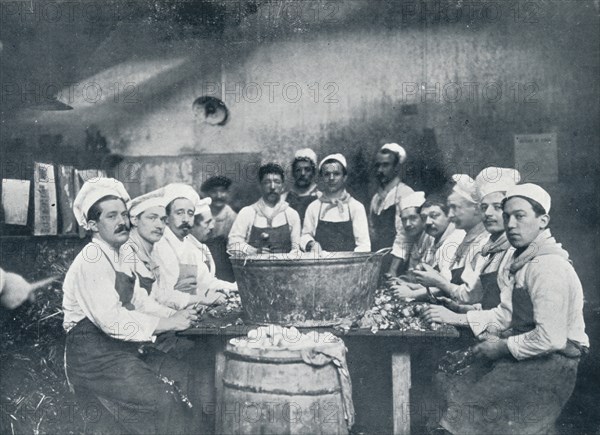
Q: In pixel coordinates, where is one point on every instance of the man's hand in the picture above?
(186, 285)
(451, 304)
(492, 348)
(15, 291)
(439, 314)
(428, 276)
(180, 321)
(402, 291)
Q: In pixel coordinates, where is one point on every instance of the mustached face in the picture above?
(151, 224)
(491, 210)
(181, 217)
(436, 221)
(385, 168)
(219, 196)
(412, 222)
(271, 187)
(462, 212)
(113, 223)
(304, 173)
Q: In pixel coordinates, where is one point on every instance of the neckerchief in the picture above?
(269, 213)
(334, 202)
(142, 254)
(467, 242)
(382, 193)
(493, 247)
(544, 244)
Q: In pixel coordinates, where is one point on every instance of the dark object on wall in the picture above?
(211, 110)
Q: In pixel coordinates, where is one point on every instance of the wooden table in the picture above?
(400, 358)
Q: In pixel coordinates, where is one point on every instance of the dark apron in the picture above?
(277, 239)
(510, 396)
(384, 229)
(491, 290)
(218, 249)
(335, 236)
(300, 203)
(146, 282)
(457, 275)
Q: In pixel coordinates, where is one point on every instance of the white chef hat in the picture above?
(143, 202)
(396, 149)
(203, 206)
(306, 153)
(495, 179)
(531, 191)
(93, 190)
(179, 190)
(465, 186)
(337, 157)
(415, 199)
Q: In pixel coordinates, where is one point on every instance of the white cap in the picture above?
(531, 191)
(143, 202)
(337, 157)
(306, 153)
(203, 206)
(415, 199)
(396, 149)
(495, 179)
(465, 186)
(93, 190)
(180, 190)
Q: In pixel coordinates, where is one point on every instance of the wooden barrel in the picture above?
(273, 391)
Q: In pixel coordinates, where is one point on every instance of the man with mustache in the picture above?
(439, 258)
(270, 224)
(492, 184)
(385, 206)
(335, 221)
(223, 217)
(181, 269)
(464, 285)
(530, 347)
(414, 228)
(148, 219)
(112, 322)
(304, 191)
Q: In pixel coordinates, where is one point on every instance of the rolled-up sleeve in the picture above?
(548, 281)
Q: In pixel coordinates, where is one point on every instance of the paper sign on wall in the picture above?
(15, 201)
(536, 157)
(44, 196)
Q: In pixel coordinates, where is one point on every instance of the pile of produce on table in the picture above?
(390, 312)
(233, 304)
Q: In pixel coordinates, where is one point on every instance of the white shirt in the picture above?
(205, 254)
(389, 196)
(443, 252)
(89, 291)
(557, 298)
(353, 208)
(248, 217)
(169, 253)
(470, 291)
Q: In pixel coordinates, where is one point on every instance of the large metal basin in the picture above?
(305, 291)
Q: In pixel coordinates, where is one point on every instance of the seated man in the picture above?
(531, 344)
(304, 191)
(111, 323)
(446, 239)
(335, 221)
(184, 276)
(416, 242)
(217, 188)
(270, 224)
(202, 229)
(464, 285)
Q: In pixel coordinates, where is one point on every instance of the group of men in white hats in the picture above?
(140, 277)
(483, 254)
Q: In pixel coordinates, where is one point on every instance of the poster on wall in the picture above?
(66, 196)
(15, 201)
(44, 197)
(536, 157)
